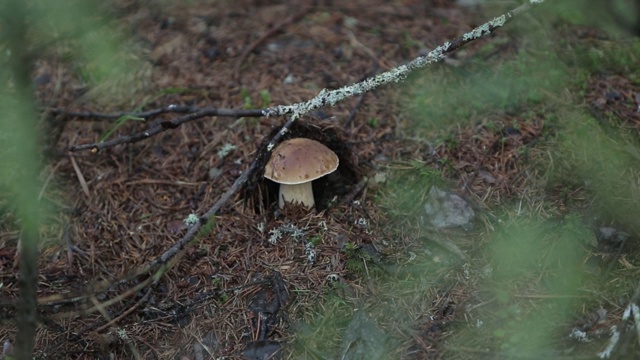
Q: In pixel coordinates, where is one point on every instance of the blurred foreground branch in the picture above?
(19, 164)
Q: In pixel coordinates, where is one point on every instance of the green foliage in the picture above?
(320, 334)
(224, 297)
(619, 57)
(30, 30)
(265, 96)
(536, 278)
(316, 240)
(605, 161)
(533, 288)
(341, 330)
(91, 42)
(606, 14)
(451, 96)
(265, 99)
(407, 186)
(359, 263)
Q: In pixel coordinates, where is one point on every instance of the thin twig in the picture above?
(106, 304)
(357, 44)
(164, 125)
(354, 111)
(121, 333)
(359, 103)
(178, 109)
(81, 180)
(124, 313)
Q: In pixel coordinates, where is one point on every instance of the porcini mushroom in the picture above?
(294, 164)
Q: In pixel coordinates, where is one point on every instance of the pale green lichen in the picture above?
(395, 75)
(225, 150)
(275, 236)
(310, 252)
(485, 28)
(326, 97)
(333, 277)
(613, 341)
(192, 219)
(499, 21)
(477, 32)
(122, 334)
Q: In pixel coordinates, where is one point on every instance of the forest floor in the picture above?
(534, 128)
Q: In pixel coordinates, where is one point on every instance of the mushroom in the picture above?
(294, 164)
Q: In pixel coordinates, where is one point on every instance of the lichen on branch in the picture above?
(398, 74)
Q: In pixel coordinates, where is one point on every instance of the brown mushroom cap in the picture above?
(300, 160)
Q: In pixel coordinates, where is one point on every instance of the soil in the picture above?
(239, 289)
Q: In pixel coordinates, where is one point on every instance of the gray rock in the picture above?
(445, 209)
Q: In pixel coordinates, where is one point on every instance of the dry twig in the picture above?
(164, 125)
(178, 109)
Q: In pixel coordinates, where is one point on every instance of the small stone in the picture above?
(289, 79)
(446, 209)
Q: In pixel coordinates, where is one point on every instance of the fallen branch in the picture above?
(399, 73)
(178, 109)
(164, 125)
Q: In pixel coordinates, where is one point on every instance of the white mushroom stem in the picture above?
(300, 193)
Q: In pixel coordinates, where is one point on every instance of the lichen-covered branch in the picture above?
(326, 97)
